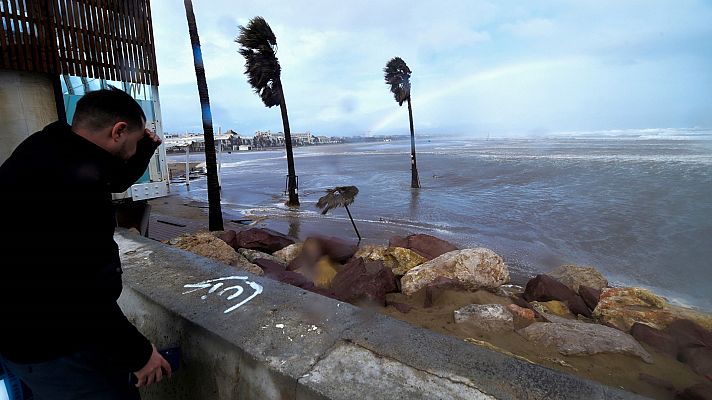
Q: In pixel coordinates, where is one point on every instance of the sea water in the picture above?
(635, 205)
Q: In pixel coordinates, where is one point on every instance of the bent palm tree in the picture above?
(258, 44)
(215, 221)
(340, 196)
(397, 75)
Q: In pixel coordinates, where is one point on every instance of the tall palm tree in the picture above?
(258, 45)
(397, 75)
(340, 196)
(215, 221)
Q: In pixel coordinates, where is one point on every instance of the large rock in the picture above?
(263, 240)
(470, 268)
(289, 253)
(490, 318)
(226, 236)
(253, 255)
(699, 359)
(427, 246)
(546, 288)
(622, 307)
(590, 296)
(689, 334)
(659, 340)
(574, 276)
(580, 338)
(364, 281)
(400, 260)
(208, 245)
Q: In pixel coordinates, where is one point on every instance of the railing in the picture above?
(107, 39)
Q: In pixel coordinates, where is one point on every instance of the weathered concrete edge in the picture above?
(290, 332)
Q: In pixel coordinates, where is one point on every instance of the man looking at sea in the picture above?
(61, 330)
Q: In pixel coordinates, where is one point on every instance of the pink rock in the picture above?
(360, 281)
(427, 246)
(521, 312)
(261, 239)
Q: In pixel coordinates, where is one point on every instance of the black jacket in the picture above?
(60, 273)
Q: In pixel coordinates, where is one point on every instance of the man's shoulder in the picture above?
(36, 151)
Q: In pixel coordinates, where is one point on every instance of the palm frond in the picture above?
(397, 75)
(257, 45)
(340, 196)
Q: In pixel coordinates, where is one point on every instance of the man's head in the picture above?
(112, 120)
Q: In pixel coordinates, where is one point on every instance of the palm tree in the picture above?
(258, 45)
(215, 221)
(340, 196)
(397, 75)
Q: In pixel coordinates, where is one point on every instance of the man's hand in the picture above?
(152, 372)
(152, 135)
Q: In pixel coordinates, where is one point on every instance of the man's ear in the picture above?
(117, 130)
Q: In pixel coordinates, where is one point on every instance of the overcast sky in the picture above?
(479, 67)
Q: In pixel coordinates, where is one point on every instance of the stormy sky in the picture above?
(507, 68)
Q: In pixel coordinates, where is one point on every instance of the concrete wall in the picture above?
(26, 106)
(286, 343)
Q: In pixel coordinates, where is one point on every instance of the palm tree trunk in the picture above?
(352, 222)
(215, 221)
(414, 180)
(293, 200)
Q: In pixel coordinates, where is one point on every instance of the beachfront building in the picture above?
(52, 53)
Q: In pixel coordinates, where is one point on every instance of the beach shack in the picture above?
(53, 52)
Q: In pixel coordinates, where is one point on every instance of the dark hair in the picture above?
(105, 107)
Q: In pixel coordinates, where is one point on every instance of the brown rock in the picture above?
(362, 281)
(701, 391)
(622, 307)
(571, 337)
(289, 253)
(590, 296)
(520, 312)
(689, 334)
(269, 266)
(337, 249)
(227, 237)
(208, 245)
(519, 300)
(698, 358)
(427, 246)
(400, 260)
(264, 240)
(472, 269)
(657, 382)
(276, 271)
(574, 276)
(252, 255)
(546, 288)
(659, 340)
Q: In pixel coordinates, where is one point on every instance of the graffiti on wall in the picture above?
(226, 286)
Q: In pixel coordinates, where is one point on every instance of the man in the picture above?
(61, 330)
